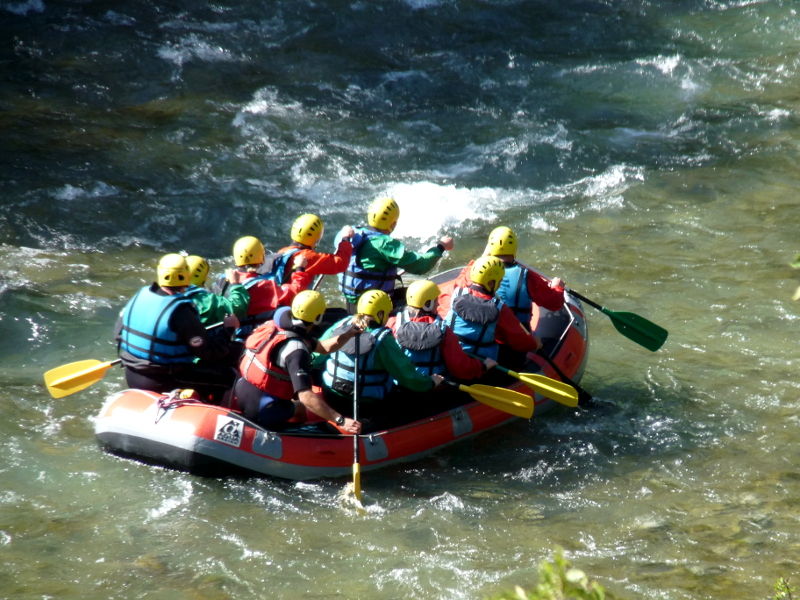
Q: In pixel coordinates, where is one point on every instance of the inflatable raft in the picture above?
(210, 440)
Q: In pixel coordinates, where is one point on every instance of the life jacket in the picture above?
(422, 342)
(356, 278)
(513, 291)
(339, 374)
(474, 321)
(259, 364)
(275, 263)
(249, 322)
(145, 330)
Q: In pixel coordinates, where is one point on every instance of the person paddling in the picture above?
(377, 256)
(521, 287)
(306, 233)
(275, 384)
(162, 343)
(482, 321)
(381, 363)
(265, 294)
(432, 347)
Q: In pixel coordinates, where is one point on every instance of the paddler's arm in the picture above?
(511, 332)
(391, 357)
(394, 252)
(333, 343)
(298, 364)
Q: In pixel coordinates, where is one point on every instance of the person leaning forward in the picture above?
(275, 384)
(432, 346)
(162, 343)
(377, 256)
(521, 287)
(266, 294)
(482, 321)
(381, 362)
(306, 233)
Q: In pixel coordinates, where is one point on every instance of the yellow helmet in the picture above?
(309, 306)
(422, 294)
(487, 271)
(376, 304)
(248, 250)
(501, 241)
(307, 230)
(198, 268)
(383, 213)
(172, 271)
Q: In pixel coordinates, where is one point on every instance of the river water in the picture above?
(644, 151)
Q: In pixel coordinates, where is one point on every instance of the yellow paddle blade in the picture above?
(76, 376)
(509, 401)
(357, 481)
(561, 392)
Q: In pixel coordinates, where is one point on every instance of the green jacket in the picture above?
(214, 308)
(383, 251)
(388, 356)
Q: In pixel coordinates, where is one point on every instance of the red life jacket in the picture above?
(258, 365)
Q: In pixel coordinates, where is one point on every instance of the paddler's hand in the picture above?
(437, 380)
(346, 233)
(351, 426)
(232, 275)
(557, 284)
(489, 363)
(447, 242)
(230, 322)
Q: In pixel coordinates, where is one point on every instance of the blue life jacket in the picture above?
(275, 265)
(513, 291)
(474, 321)
(422, 343)
(356, 279)
(339, 374)
(145, 328)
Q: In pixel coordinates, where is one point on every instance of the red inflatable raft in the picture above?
(210, 440)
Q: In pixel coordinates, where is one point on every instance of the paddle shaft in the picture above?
(584, 397)
(356, 457)
(587, 300)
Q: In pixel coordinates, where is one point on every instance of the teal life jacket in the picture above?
(422, 343)
(145, 330)
(357, 279)
(339, 373)
(474, 321)
(513, 291)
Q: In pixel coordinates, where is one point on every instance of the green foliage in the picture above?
(558, 580)
(783, 591)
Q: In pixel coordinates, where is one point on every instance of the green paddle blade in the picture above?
(76, 376)
(560, 392)
(637, 328)
(508, 401)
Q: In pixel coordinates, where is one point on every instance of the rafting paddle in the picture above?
(356, 458)
(560, 392)
(508, 401)
(76, 376)
(632, 326)
(584, 397)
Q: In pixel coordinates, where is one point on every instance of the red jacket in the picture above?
(321, 263)
(459, 364)
(267, 295)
